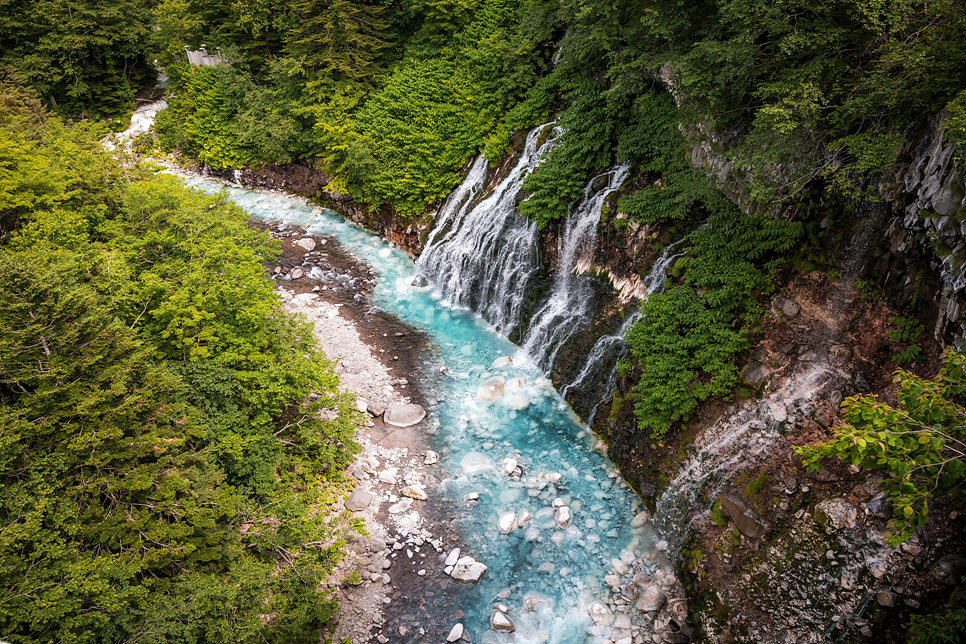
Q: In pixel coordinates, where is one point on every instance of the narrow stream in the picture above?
(556, 571)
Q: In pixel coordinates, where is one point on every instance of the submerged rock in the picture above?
(491, 389)
(563, 516)
(404, 414)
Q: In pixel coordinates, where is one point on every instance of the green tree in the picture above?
(921, 441)
(83, 57)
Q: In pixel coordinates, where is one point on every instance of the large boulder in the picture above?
(788, 308)
(744, 518)
(358, 501)
(404, 415)
(651, 598)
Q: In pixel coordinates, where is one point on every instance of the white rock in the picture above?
(415, 491)
(508, 521)
(600, 614)
(431, 457)
(468, 569)
(502, 362)
(298, 273)
(401, 506)
(523, 517)
(452, 557)
(404, 414)
(502, 623)
(455, 633)
(640, 519)
(509, 465)
(307, 243)
(562, 516)
(388, 476)
(361, 404)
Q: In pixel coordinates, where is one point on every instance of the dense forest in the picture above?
(146, 415)
(166, 469)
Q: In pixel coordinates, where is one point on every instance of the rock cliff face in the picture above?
(922, 261)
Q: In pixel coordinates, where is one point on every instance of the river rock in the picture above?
(563, 516)
(491, 389)
(375, 410)
(651, 598)
(502, 362)
(743, 517)
(455, 633)
(401, 506)
(431, 457)
(640, 519)
(507, 522)
(358, 501)
(361, 405)
(404, 414)
(523, 517)
(509, 466)
(306, 243)
(836, 514)
(500, 622)
(415, 491)
(600, 614)
(452, 557)
(297, 274)
(468, 569)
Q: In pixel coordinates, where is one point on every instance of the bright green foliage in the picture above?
(163, 478)
(818, 90)
(398, 136)
(86, 58)
(921, 442)
(687, 342)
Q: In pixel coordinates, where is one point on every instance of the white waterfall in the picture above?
(569, 308)
(600, 370)
(484, 256)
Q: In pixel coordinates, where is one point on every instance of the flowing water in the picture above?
(483, 255)
(560, 570)
(597, 380)
(570, 307)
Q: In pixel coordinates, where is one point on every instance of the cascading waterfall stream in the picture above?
(599, 373)
(569, 308)
(483, 256)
